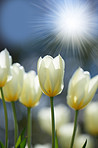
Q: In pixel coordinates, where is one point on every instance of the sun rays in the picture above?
(67, 25)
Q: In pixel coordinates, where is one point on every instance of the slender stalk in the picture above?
(53, 122)
(15, 121)
(74, 130)
(29, 127)
(6, 118)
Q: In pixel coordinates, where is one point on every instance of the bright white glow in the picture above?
(71, 24)
(74, 23)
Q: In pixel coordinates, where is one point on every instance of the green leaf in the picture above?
(1, 145)
(84, 146)
(18, 142)
(20, 139)
(23, 133)
(23, 143)
(56, 141)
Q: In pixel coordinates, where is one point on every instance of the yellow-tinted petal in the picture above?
(93, 86)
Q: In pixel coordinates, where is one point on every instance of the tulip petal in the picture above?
(49, 85)
(42, 75)
(58, 82)
(93, 86)
(56, 62)
(39, 63)
(47, 60)
(3, 57)
(75, 78)
(62, 64)
(3, 76)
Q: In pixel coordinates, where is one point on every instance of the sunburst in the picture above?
(71, 23)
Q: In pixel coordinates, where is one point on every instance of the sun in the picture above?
(72, 23)
(69, 24)
(75, 23)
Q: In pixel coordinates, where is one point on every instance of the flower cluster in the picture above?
(16, 84)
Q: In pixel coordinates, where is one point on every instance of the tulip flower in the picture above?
(91, 118)
(81, 90)
(31, 91)
(51, 73)
(30, 97)
(5, 62)
(13, 88)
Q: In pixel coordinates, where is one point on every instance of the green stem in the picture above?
(15, 121)
(53, 122)
(74, 130)
(6, 118)
(29, 127)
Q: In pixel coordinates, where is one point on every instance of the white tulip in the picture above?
(31, 91)
(51, 73)
(13, 87)
(81, 89)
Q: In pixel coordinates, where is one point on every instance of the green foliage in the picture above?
(21, 142)
(1, 145)
(56, 141)
(84, 146)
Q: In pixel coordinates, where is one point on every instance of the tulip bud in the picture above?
(5, 63)
(31, 91)
(51, 73)
(13, 87)
(81, 89)
(91, 118)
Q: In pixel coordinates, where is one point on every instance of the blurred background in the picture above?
(30, 29)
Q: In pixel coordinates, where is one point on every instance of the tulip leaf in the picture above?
(23, 133)
(23, 143)
(20, 139)
(84, 146)
(56, 141)
(1, 145)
